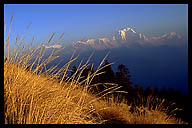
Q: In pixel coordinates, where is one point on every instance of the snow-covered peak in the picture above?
(129, 37)
(133, 31)
(104, 40)
(123, 32)
(167, 36)
(127, 29)
(90, 41)
(172, 33)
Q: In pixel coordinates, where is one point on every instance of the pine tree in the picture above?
(108, 76)
(123, 77)
(149, 91)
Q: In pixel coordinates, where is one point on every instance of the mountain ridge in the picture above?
(128, 37)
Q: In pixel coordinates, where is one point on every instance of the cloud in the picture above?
(53, 46)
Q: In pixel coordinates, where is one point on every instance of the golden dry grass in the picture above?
(38, 98)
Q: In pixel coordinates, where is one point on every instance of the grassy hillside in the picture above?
(38, 98)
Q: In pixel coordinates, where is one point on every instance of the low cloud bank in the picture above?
(53, 46)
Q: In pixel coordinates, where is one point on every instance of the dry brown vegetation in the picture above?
(37, 98)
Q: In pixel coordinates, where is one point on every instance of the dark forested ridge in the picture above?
(135, 93)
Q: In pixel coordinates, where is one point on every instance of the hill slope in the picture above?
(31, 98)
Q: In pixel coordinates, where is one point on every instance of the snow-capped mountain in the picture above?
(128, 37)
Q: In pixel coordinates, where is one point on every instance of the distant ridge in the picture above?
(128, 37)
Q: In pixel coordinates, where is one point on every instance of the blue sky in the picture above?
(80, 21)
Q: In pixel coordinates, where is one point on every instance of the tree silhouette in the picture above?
(87, 71)
(108, 76)
(123, 77)
(149, 91)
